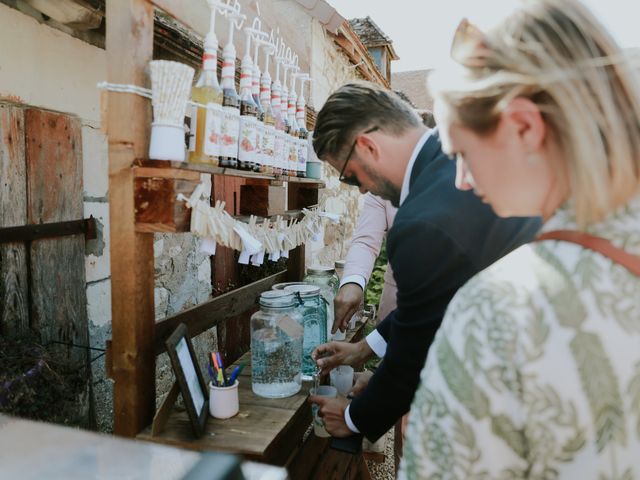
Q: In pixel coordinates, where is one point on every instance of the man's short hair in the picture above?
(355, 107)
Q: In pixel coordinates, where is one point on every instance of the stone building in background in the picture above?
(413, 84)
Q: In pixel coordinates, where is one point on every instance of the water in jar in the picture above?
(276, 363)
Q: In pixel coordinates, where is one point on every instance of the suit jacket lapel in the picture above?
(430, 150)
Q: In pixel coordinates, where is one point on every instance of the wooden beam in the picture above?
(129, 50)
(209, 314)
(194, 15)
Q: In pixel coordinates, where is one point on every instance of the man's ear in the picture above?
(369, 147)
(525, 118)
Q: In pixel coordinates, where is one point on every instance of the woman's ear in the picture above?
(524, 115)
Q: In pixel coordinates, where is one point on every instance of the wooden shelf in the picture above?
(157, 184)
(194, 167)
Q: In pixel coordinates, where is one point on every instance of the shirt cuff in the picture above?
(377, 343)
(347, 419)
(357, 279)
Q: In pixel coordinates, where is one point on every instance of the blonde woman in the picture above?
(535, 372)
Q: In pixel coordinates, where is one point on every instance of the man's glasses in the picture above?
(352, 179)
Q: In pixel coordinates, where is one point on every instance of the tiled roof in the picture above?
(414, 85)
(369, 32)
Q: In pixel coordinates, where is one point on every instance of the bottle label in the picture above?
(213, 129)
(278, 149)
(260, 130)
(268, 145)
(303, 154)
(210, 61)
(193, 128)
(293, 154)
(248, 134)
(230, 132)
(286, 146)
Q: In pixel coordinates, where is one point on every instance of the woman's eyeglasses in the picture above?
(352, 179)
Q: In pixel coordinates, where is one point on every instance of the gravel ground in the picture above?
(386, 470)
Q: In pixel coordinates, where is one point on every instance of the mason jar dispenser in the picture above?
(327, 280)
(314, 319)
(276, 346)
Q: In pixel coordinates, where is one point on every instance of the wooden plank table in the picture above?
(272, 431)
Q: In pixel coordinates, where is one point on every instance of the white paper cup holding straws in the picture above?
(170, 87)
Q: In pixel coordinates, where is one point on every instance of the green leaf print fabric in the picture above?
(535, 372)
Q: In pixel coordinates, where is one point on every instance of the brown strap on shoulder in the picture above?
(597, 244)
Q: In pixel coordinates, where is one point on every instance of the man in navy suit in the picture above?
(440, 238)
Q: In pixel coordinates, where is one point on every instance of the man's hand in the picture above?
(332, 413)
(333, 354)
(346, 304)
(362, 380)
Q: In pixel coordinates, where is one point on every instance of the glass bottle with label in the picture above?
(294, 131)
(206, 123)
(276, 105)
(276, 346)
(255, 93)
(230, 106)
(303, 144)
(269, 136)
(284, 109)
(248, 114)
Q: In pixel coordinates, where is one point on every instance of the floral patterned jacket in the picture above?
(535, 371)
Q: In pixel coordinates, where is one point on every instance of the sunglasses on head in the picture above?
(469, 45)
(352, 179)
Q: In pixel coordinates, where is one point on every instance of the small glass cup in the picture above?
(326, 391)
(342, 378)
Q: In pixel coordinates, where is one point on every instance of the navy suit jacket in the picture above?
(440, 238)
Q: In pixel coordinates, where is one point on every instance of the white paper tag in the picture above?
(244, 257)
(258, 258)
(274, 256)
(208, 246)
(284, 253)
(289, 326)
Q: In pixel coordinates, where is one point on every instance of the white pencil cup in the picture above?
(167, 142)
(223, 401)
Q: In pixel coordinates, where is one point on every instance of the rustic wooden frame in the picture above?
(136, 339)
(198, 418)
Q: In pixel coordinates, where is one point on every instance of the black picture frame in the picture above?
(189, 377)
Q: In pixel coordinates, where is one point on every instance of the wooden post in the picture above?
(129, 50)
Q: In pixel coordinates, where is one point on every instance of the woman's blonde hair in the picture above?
(557, 54)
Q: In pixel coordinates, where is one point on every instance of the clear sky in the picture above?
(421, 30)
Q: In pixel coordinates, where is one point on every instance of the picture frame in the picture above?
(189, 377)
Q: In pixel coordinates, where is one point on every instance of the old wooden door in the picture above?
(42, 283)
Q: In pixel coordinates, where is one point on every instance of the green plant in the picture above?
(376, 282)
